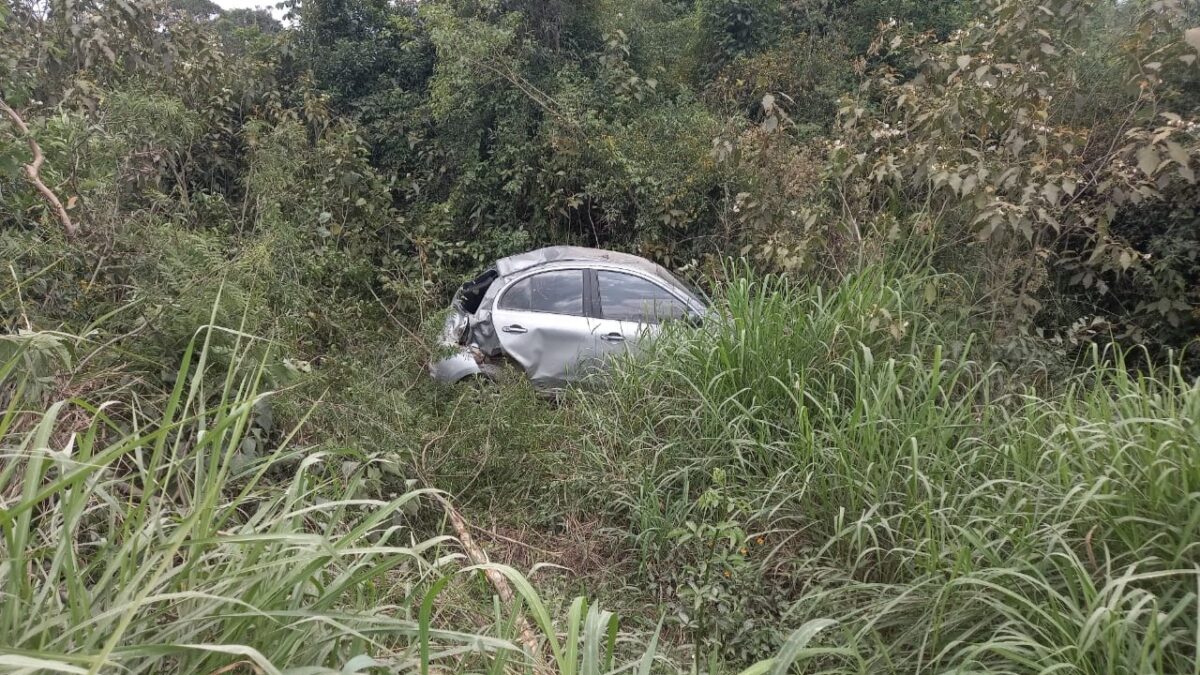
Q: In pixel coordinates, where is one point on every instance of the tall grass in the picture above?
(947, 517)
(136, 540)
(832, 479)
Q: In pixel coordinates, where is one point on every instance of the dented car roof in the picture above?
(522, 261)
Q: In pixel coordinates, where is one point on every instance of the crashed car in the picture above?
(558, 313)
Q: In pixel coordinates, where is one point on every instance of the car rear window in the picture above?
(555, 292)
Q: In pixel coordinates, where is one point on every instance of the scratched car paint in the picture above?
(559, 313)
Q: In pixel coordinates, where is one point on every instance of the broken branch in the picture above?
(33, 168)
(478, 557)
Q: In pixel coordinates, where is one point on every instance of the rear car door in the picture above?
(628, 308)
(541, 323)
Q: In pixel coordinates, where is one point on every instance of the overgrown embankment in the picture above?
(843, 463)
(850, 458)
(849, 454)
(910, 448)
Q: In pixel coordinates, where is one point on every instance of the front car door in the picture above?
(541, 322)
(628, 307)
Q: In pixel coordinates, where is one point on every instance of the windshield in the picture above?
(471, 293)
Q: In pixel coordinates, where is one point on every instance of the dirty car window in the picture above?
(557, 292)
(624, 297)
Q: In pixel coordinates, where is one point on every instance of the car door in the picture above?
(541, 323)
(628, 308)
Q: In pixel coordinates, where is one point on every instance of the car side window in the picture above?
(555, 292)
(625, 297)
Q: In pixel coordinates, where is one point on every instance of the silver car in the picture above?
(559, 312)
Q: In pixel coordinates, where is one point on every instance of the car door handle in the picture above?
(515, 328)
(612, 337)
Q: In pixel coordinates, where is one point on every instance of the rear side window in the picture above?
(624, 297)
(557, 292)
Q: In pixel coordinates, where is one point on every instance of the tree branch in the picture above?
(32, 169)
(503, 589)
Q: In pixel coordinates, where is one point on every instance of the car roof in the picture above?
(552, 254)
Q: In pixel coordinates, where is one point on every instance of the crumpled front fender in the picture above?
(454, 368)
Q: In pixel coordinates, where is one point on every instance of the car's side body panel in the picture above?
(540, 316)
(549, 348)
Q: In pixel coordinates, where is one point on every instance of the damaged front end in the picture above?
(467, 337)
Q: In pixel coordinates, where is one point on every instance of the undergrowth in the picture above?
(222, 239)
(835, 477)
(844, 455)
(191, 536)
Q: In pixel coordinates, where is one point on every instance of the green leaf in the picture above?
(1050, 192)
(533, 601)
(574, 623)
(647, 660)
(796, 648)
(796, 642)
(1148, 159)
(425, 618)
(250, 653)
(31, 664)
(359, 664)
(1177, 153)
(1192, 36)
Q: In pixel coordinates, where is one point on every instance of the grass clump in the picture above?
(843, 455)
(185, 535)
(133, 539)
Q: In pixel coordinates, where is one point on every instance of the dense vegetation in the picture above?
(944, 418)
